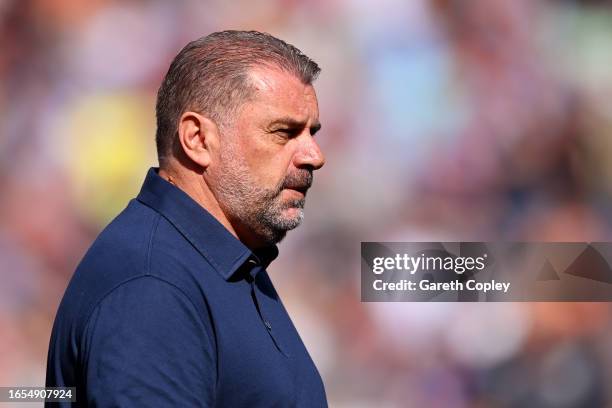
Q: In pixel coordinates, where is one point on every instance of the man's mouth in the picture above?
(299, 181)
(299, 189)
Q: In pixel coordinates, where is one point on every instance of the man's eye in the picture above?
(288, 133)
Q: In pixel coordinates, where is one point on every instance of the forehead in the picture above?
(277, 93)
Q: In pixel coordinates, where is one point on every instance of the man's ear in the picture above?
(199, 137)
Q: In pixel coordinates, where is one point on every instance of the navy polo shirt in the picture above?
(169, 309)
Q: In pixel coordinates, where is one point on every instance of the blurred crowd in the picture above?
(450, 120)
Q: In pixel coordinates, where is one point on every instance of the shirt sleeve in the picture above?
(146, 345)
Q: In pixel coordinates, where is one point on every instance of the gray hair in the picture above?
(210, 76)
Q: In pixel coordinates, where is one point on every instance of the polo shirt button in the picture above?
(268, 325)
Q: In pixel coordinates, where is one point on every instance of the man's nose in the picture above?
(309, 154)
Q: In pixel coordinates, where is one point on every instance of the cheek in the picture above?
(269, 171)
(269, 168)
(268, 164)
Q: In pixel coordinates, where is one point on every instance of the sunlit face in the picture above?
(267, 157)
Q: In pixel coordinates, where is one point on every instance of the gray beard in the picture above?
(258, 209)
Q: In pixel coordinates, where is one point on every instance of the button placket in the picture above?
(255, 268)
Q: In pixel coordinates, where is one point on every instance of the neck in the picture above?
(193, 184)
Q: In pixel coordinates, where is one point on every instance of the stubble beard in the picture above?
(259, 209)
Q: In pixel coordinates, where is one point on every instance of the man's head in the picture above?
(238, 109)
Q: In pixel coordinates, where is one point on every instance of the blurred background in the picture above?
(442, 120)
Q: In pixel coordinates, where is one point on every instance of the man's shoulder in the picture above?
(117, 255)
(120, 250)
(139, 242)
(137, 258)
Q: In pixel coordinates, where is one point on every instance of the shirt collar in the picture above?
(220, 248)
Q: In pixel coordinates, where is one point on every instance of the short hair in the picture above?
(211, 76)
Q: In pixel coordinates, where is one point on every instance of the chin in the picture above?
(274, 226)
(293, 214)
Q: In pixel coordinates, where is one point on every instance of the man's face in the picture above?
(267, 157)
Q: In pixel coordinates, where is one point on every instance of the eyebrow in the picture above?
(295, 124)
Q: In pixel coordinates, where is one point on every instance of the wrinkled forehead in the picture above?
(278, 93)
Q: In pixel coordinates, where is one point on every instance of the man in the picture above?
(172, 305)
